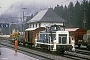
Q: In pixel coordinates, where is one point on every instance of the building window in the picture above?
(39, 24)
(30, 26)
(36, 25)
(33, 25)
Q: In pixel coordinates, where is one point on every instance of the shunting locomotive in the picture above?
(53, 38)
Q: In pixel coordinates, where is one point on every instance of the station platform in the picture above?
(8, 54)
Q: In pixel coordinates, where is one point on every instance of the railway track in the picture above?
(77, 55)
(42, 55)
(85, 52)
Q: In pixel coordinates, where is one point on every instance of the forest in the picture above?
(76, 15)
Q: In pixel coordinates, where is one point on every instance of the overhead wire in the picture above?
(57, 3)
(61, 3)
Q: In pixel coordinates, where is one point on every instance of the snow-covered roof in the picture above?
(47, 15)
(29, 29)
(71, 29)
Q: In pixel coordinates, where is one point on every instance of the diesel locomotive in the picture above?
(52, 38)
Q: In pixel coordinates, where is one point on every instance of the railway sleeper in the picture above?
(88, 47)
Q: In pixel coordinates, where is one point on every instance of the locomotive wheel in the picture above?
(60, 52)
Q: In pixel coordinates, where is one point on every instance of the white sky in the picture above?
(4, 4)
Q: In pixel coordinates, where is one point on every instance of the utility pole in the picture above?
(23, 21)
(84, 21)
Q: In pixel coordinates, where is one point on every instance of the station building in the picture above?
(46, 18)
